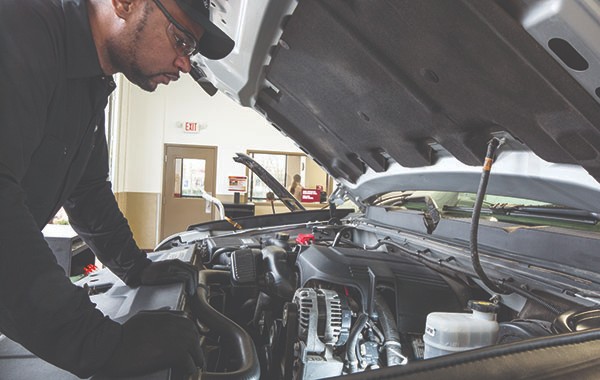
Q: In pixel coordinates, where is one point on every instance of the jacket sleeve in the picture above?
(39, 307)
(95, 216)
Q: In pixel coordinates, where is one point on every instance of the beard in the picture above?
(134, 73)
(124, 56)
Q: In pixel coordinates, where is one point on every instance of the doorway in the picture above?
(187, 169)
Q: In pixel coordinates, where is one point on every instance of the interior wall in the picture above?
(315, 176)
(294, 166)
(150, 120)
(141, 210)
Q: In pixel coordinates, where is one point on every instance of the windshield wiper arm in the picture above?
(538, 212)
(556, 213)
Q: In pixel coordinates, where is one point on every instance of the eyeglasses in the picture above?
(183, 41)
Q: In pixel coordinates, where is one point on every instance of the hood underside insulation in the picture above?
(360, 83)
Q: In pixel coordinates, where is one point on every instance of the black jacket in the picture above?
(53, 152)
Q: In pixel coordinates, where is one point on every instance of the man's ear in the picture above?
(124, 8)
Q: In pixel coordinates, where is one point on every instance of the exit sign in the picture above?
(191, 127)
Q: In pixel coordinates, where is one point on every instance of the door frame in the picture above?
(212, 191)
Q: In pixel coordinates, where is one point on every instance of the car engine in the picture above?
(323, 299)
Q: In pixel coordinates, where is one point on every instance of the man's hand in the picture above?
(170, 271)
(155, 340)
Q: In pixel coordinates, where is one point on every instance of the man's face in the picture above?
(150, 51)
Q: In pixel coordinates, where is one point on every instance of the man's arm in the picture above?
(95, 216)
(43, 311)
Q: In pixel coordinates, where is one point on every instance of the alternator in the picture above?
(324, 322)
(320, 314)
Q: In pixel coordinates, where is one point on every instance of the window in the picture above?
(283, 166)
(189, 177)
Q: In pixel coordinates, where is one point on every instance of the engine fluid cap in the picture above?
(305, 239)
(482, 306)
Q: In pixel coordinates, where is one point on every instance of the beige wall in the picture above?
(294, 166)
(147, 121)
(150, 120)
(140, 209)
(315, 175)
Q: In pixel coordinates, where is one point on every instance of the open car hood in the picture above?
(371, 89)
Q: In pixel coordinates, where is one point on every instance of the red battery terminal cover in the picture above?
(305, 239)
(89, 269)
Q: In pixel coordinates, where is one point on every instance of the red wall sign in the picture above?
(311, 195)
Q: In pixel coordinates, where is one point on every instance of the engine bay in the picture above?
(328, 299)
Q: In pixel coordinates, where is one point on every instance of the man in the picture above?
(56, 62)
(296, 188)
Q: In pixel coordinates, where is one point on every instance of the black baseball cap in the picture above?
(214, 44)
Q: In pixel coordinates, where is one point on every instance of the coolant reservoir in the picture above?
(446, 333)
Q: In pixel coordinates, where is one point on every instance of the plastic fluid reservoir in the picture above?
(446, 333)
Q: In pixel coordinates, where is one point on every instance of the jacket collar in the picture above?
(82, 58)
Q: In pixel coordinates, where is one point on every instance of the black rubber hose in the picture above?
(359, 325)
(217, 254)
(387, 320)
(485, 176)
(281, 275)
(238, 342)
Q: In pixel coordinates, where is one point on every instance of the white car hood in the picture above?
(404, 95)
